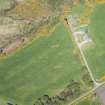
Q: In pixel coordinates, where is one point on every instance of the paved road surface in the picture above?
(101, 93)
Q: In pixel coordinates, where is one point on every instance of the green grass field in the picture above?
(44, 67)
(89, 102)
(96, 54)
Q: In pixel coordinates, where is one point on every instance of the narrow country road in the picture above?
(79, 45)
(82, 54)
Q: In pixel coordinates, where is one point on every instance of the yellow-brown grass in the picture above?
(30, 9)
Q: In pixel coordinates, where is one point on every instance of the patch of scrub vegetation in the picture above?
(44, 67)
(6, 4)
(96, 54)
